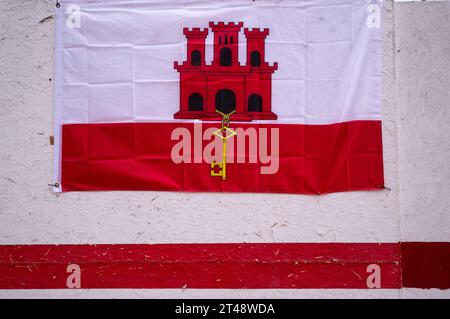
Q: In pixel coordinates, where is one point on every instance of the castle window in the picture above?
(225, 56)
(220, 40)
(195, 102)
(225, 101)
(196, 57)
(231, 40)
(255, 103)
(255, 58)
(226, 39)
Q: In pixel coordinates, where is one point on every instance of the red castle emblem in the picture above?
(225, 85)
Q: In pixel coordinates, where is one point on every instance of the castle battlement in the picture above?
(255, 32)
(228, 25)
(195, 32)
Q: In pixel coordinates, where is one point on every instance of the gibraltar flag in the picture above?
(141, 88)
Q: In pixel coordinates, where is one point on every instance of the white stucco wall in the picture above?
(415, 113)
(423, 97)
(35, 215)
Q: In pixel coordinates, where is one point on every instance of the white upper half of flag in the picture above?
(116, 63)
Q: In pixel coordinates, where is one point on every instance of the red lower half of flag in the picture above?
(278, 158)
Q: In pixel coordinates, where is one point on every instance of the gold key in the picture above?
(223, 134)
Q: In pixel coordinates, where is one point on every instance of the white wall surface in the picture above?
(415, 114)
(35, 215)
(422, 60)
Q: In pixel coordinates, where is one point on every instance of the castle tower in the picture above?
(195, 45)
(226, 41)
(259, 81)
(256, 46)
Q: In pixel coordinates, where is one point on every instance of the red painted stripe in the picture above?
(294, 265)
(426, 265)
(136, 156)
(283, 265)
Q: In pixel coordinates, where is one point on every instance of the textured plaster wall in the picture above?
(415, 113)
(30, 213)
(422, 82)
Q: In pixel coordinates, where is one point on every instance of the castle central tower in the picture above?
(226, 43)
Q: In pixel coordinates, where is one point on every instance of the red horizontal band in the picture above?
(275, 265)
(313, 159)
(328, 265)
